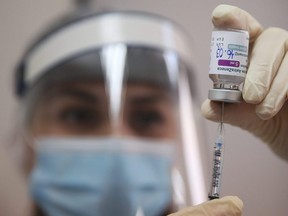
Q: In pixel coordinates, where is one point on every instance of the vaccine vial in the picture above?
(228, 64)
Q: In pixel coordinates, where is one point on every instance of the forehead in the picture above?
(97, 91)
(136, 65)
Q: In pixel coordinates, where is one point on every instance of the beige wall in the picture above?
(251, 171)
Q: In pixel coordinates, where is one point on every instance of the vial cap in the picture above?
(225, 95)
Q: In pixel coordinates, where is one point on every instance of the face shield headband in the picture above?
(91, 33)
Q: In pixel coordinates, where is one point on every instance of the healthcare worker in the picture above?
(106, 139)
(104, 109)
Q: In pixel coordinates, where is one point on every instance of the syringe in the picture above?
(217, 161)
(225, 43)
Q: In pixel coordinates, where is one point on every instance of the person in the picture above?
(104, 141)
(102, 111)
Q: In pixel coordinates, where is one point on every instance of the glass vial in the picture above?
(228, 64)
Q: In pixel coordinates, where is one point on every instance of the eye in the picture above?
(80, 118)
(145, 120)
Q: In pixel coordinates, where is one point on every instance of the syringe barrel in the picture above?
(217, 169)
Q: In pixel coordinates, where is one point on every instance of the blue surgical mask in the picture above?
(102, 177)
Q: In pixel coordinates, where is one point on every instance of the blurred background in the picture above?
(251, 171)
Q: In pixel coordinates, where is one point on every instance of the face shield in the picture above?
(111, 118)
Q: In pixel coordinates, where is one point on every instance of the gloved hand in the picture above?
(226, 206)
(265, 110)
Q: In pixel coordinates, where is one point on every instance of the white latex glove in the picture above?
(226, 206)
(265, 110)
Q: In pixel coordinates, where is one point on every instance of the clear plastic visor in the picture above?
(124, 92)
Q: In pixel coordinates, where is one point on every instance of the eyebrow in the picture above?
(77, 94)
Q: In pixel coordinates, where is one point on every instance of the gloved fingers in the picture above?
(277, 94)
(226, 206)
(238, 114)
(267, 54)
(227, 16)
